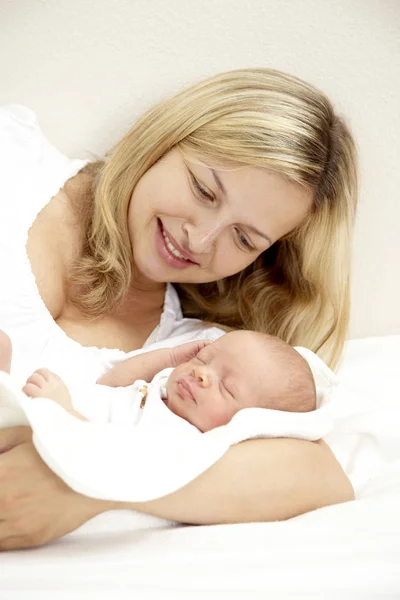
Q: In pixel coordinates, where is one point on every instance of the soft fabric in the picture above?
(32, 171)
(349, 551)
(126, 423)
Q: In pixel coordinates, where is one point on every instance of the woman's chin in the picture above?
(150, 272)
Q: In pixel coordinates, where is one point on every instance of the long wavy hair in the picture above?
(298, 289)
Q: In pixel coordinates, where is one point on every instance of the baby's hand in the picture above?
(46, 384)
(147, 364)
(185, 352)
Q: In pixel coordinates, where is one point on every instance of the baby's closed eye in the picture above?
(226, 388)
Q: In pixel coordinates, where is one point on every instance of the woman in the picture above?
(242, 192)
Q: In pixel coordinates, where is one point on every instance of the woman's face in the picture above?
(189, 223)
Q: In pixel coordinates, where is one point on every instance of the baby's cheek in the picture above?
(222, 416)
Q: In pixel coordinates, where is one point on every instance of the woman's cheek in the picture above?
(229, 260)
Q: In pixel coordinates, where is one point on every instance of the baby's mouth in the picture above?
(185, 390)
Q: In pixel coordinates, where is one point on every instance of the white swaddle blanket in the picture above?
(131, 453)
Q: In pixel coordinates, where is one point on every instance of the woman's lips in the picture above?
(188, 255)
(173, 261)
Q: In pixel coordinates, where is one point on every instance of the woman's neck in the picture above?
(143, 296)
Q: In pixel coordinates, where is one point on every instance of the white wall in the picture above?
(90, 67)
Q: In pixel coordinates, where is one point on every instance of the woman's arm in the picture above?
(257, 480)
(36, 506)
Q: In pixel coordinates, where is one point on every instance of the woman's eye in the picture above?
(243, 241)
(203, 193)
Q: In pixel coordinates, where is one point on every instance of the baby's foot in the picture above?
(46, 384)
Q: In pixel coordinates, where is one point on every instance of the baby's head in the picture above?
(242, 369)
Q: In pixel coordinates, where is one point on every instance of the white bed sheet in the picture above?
(346, 551)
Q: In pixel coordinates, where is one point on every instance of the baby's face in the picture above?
(223, 378)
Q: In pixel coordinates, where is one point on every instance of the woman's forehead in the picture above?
(196, 158)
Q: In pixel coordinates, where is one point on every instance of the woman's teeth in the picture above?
(172, 248)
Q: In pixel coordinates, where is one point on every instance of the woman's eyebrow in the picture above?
(218, 181)
(260, 233)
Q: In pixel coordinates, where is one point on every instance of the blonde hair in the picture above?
(297, 290)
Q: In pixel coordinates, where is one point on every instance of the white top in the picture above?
(32, 171)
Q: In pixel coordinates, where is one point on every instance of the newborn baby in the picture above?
(209, 382)
(204, 397)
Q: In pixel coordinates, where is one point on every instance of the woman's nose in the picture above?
(201, 238)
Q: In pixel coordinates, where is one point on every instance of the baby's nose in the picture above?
(202, 377)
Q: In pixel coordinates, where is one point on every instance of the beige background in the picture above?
(90, 67)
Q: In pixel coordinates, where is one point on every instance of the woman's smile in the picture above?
(170, 251)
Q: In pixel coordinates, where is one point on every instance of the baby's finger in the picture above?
(193, 348)
(203, 343)
(31, 390)
(186, 352)
(36, 378)
(45, 373)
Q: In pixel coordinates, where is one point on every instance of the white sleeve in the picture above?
(31, 169)
(103, 404)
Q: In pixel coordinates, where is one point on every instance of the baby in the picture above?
(209, 382)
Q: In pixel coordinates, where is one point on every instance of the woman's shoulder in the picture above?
(23, 144)
(19, 135)
(17, 115)
(32, 173)
(21, 153)
(31, 169)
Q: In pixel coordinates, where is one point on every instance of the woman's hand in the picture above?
(36, 506)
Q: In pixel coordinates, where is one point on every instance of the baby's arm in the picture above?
(148, 364)
(46, 384)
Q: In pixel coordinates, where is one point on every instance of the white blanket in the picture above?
(347, 552)
(99, 458)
